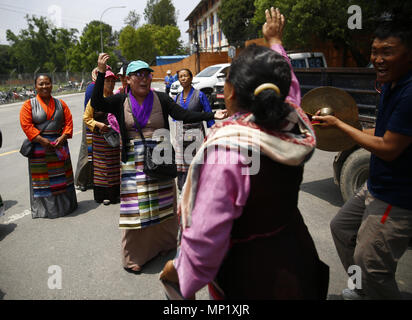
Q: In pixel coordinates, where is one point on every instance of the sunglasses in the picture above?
(141, 75)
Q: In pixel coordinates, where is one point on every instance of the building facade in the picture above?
(204, 26)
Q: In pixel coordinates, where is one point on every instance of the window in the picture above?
(298, 63)
(316, 62)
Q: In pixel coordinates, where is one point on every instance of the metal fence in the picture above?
(17, 87)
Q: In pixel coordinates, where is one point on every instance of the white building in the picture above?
(210, 36)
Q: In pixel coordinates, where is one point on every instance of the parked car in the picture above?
(204, 81)
(307, 60)
(218, 95)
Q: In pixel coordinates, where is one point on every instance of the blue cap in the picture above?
(136, 66)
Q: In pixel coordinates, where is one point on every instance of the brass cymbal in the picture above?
(342, 106)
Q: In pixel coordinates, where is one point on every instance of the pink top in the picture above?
(294, 91)
(205, 243)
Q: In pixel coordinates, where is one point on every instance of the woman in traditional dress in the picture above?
(147, 205)
(52, 192)
(193, 133)
(83, 178)
(106, 159)
(243, 234)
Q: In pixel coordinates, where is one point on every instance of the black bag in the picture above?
(112, 138)
(27, 146)
(160, 171)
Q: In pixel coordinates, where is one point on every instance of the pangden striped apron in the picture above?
(51, 179)
(144, 201)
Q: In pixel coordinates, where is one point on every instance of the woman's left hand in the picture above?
(169, 272)
(59, 142)
(221, 114)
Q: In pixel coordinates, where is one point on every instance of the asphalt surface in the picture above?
(84, 247)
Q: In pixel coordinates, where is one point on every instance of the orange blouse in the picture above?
(26, 120)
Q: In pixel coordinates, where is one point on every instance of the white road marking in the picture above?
(17, 216)
(26, 212)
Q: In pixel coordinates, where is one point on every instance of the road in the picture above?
(85, 246)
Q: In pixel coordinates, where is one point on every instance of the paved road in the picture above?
(85, 246)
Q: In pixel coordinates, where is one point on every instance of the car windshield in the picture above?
(208, 72)
(298, 63)
(316, 62)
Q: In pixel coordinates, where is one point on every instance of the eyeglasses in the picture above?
(141, 75)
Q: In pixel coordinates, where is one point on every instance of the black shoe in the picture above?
(130, 270)
(83, 188)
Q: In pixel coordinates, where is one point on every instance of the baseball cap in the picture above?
(169, 72)
(109, 74)
(136, 66)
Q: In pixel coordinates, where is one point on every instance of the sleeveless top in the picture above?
(194, 105)
(155, 121)
(39, 117)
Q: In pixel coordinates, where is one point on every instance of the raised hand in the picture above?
(273, 27)
(102, 62)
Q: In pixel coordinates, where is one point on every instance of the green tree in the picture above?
(149, 41)
(160, 12)
(83, 56)
(237, 24)
(132, 19)
(6, 59)
(128, 43)
(40, 46)
(311, 20)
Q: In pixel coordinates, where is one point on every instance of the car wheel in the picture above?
(355, 172)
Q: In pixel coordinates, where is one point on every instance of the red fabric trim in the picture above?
(386, 214)
(213, 292)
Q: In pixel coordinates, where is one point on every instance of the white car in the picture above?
(307, 60)
(204, 81)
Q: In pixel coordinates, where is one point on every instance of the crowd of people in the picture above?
(240, 233)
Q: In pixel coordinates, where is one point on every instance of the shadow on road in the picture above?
(324, 189)
(83, 207)
(156, 265)
(9, 203)
(5, 229)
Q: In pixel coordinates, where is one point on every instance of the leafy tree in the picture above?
(128, 43)
(160, 12)
(311, 20)
(237, 24)
(83, 56)
(132, 19)
(149, 41)
(6, 63)
(40, 45)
